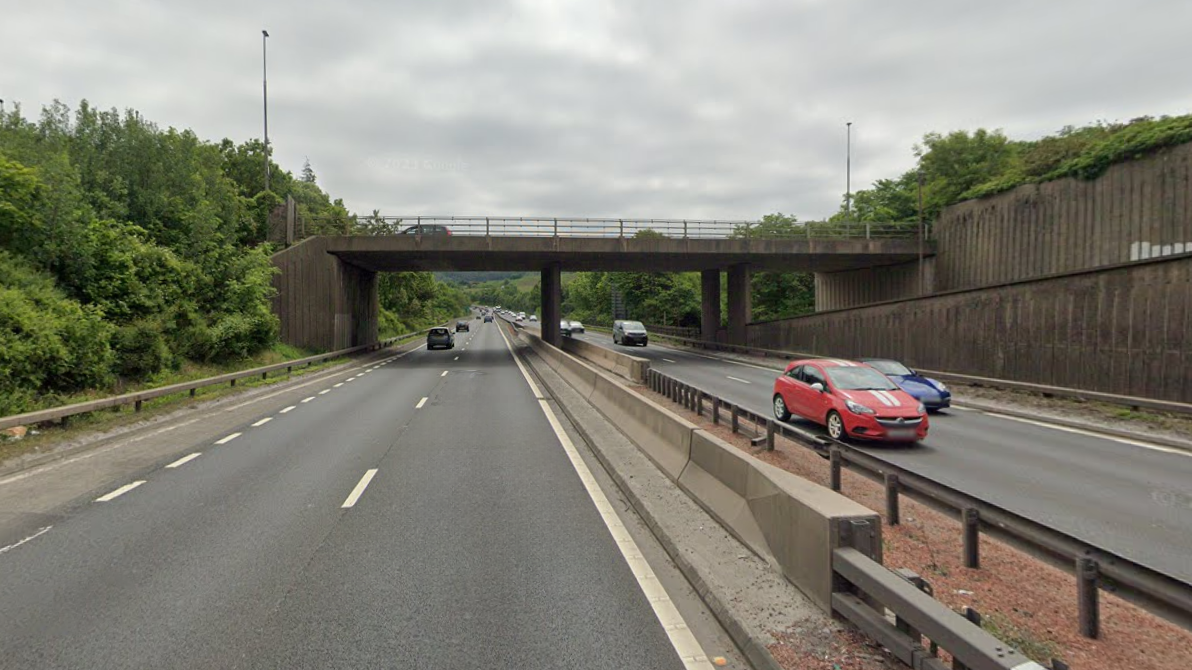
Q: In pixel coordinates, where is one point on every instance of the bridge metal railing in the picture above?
(1093, 567)
(502, 226)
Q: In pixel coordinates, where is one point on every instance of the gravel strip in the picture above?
(1025, 602)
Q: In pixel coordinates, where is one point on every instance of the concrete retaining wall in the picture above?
(1137, 210)
(323, 302)
(839, 290)
(786, 520)
(1124, 330)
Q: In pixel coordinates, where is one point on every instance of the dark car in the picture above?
(933, 394)
(440, 337)
(462, 327)
(488, 318)
(427, 229)
(630, 332)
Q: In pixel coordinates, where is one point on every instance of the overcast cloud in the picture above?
(692, 109)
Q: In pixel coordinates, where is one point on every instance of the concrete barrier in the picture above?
(787, 520)
(630, 367)
(784, 518)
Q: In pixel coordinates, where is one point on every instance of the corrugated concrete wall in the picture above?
(1137, 210)
(322, 302)
(838, 290)
(1125, 330)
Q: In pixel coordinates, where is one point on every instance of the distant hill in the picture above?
(477, 277)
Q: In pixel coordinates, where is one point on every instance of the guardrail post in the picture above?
(900, 623)
(264, 376)
(622, 228)
(866, 230)
(715, 410)
(192, 393)
(556, 228)
(891, 499)
(137, 406)
(486, 228)
(699, 403)
(736, 419)
(771, 427)
(972, 537)
(1087, 597)
(684, 230)
(834, 468)
(233, 382)
(289, 369)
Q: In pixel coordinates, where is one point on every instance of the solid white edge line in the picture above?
(120, 491)
(229, 438)
(262, 422)
(288, 409)
(184, 460)
(1089, 433)
(681, 638)
(359, 490)
(14, 545)
(421, 403)
(743, 381)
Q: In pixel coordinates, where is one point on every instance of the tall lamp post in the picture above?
(265, 93)
(848, 171)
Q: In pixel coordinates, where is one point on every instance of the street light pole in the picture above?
(265, 93)
(848, 172)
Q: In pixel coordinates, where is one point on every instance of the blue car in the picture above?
(932, 393)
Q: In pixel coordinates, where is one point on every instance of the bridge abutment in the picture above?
(323, 302)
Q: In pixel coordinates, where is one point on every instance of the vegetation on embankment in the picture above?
(129, 252)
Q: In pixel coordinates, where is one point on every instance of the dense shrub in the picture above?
(141, 350)
(48, 342)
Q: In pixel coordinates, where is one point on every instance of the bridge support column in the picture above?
(740, 303)
(552, 299)
(710, 304)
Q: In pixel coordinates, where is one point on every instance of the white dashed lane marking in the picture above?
(262, 422)
(359, 490)
(743, 381)
(184, 460)
(227, 439)
(120, 491)
(288, 409)
(421, 403)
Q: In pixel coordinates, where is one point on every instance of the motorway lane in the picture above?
(474, 545)
(1129, 499)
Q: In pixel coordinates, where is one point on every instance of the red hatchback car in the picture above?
(852, 399)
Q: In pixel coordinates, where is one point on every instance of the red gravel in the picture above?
(1032, 601)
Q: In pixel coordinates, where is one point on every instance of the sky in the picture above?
(660, 109)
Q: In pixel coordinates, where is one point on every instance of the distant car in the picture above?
(630, 332)
(533, 317)
(427, 229)
(488, 318)
(440, 337)
(565, 328)
(851, 399)
(462, 327)
(520, 317)
(933, 394)
(577, 327)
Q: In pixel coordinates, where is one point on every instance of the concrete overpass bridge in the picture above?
(327, 290)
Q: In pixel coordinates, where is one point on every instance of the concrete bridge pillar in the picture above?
(710, 304)
(552, 299)
(740, 303)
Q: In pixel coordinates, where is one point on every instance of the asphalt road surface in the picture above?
(1133, 499)
(422, 514)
